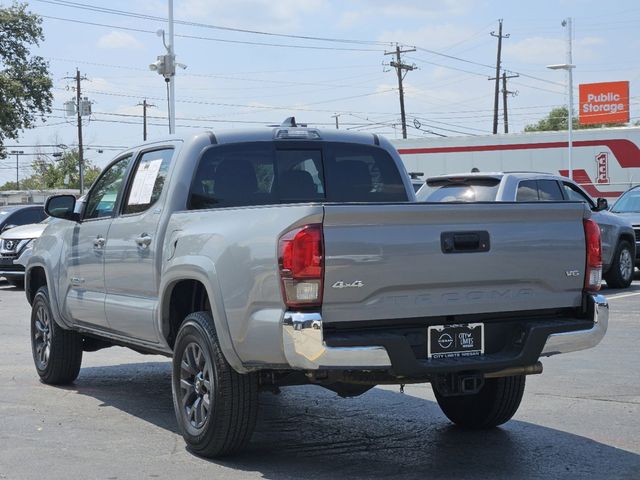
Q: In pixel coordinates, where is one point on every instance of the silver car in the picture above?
(628, 207)
(16, 246)
(618, 237)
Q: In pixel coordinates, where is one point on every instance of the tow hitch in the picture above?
(454, 384)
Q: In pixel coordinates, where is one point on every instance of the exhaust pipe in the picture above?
(534, 369)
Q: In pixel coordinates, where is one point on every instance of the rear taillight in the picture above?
(593, 272)
(301, 259)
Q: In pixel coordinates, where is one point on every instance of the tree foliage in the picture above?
(25, 84)
(558, 119)
(50, 173)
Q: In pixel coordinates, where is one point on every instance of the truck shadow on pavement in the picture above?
(308, 432)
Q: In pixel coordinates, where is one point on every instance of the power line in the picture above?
(125, 13)
(212, 39)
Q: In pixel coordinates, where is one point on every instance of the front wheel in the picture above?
(216, 407)
(495, 403)
(57, 353)
(620, 275)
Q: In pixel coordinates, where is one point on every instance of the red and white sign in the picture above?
(606, 102)
(602, 163)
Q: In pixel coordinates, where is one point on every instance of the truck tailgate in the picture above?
(402, 261)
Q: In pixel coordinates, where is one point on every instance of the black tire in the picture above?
(57, 353)
(17, 282)
(621, 273)
(216, 407)
(493, 405)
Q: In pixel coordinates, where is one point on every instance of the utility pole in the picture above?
(506, 92)
(336, 117)
(17, 153)
(497, 77)
(79, 115)
(144, 105)
(79, 108)
(399, 66)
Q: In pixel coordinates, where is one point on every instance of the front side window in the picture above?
(103, 196)
(574, 194)
(148, 180)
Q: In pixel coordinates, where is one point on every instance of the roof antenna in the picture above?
(289, 122)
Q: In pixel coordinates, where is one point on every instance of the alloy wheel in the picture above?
(626, 264)
(196, 387)
(42, 336)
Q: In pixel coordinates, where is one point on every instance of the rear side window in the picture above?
(268, 173)
(148, 180)
(539, 191)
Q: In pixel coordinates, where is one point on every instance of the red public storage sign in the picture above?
(606, 102)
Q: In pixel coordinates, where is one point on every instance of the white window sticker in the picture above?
(143, 183)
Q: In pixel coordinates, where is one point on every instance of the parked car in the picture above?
(16, 215)
(16, 246)
(287, 256)
(628, 207)
(618, 237)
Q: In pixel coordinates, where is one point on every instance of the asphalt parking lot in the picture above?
(580, 419)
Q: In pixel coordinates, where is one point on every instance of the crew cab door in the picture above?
(133, 248)
(84, 275)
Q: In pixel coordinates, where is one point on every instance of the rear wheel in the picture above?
(495, 403)
(620, 275)
(216, 407)
(57, 353)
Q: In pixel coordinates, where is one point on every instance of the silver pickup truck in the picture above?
(289, 256)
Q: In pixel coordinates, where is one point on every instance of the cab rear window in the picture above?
(464, 190)
(265, 174)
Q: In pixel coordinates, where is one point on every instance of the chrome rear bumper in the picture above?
(581, 339)
(305, 348)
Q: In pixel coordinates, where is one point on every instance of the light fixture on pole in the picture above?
(568, 67)
(165, 65)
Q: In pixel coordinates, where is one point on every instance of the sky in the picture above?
(271, 69)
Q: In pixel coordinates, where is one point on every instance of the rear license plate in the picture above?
(448, 341)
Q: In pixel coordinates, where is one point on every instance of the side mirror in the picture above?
(62, 206)
(7, 227)
(602, 204)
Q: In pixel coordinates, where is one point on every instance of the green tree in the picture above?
(51, 173)
(25, 84)
(558, 119)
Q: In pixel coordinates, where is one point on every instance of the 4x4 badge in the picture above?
(572, 273)
(354, 284)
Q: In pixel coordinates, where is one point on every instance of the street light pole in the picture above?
(569, 66)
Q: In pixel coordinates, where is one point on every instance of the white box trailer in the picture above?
(606, 161)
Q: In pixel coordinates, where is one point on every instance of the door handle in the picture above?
(465, 242)
(144, 240)
(98, 243)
